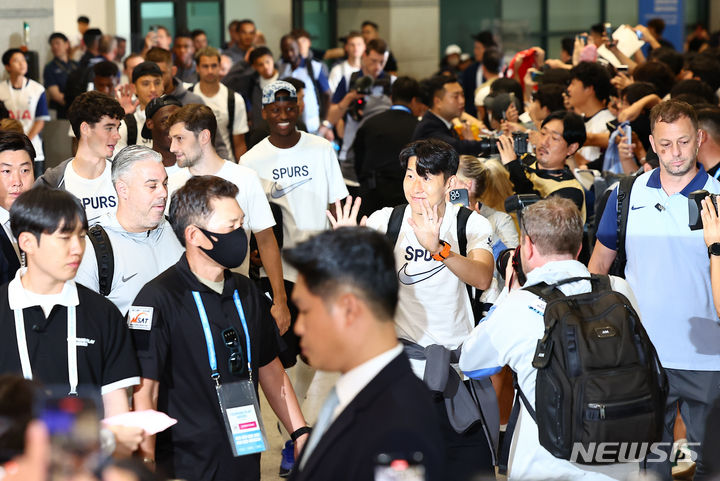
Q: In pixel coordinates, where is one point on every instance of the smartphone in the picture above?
(460, 196)
(608, 30)
(622, 68)
(584, 39)
(536, 75)
(393, 467)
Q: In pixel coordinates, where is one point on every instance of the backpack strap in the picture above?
(316, 86)
(104, 257)
(394, 224)
(231, 119)
(512, 423)
(623, 207)
(132, 129)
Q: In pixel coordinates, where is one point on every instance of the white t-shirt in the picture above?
(596, 124)
(26, 104)
(251, 199)
(340, 71)
(219, 103)
(302, 180)
(98, 195)
(139, 115)
(433, 305)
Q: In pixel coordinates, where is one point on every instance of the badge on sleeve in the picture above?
(140, 318)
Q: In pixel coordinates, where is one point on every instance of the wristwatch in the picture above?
(444, 252)
(714, 249)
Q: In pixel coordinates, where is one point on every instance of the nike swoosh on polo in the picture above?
(408, 279)
(125, 279)
(276, 191)
(636, 207)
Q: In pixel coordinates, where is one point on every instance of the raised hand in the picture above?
(427, 229)
(346, 216)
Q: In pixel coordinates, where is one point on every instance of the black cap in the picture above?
(152, 107)
(146, 68)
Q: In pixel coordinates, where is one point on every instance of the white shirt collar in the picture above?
(4, 216)
(20, 298)
(352, 382)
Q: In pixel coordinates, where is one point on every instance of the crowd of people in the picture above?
(240, 216)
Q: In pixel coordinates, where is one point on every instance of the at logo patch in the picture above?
(140, 318)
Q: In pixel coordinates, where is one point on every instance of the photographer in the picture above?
(368, 90)
(562, 133)
(711, 233)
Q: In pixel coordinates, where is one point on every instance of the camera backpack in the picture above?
(599, 379)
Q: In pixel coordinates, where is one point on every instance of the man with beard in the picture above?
(130, 247)
(192, 131)
(667, 268)
(156, 128)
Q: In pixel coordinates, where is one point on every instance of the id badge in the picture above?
(243, 422)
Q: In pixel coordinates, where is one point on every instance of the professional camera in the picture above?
(488, 145)
(363, 85)
(694, 207)
(518, 202)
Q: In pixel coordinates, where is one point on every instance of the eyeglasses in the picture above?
(524, 229)
(236, 363)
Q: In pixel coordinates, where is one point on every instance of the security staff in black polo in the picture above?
(53, 330)
(205, 339)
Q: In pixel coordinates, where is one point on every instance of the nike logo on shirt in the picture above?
(636, 207)
(408, 279)
(276, 191)
(125, 279)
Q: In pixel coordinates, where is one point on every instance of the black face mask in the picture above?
(229, 250)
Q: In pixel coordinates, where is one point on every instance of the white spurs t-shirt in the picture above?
(97, 196)
(433, 305)
(251, 199)
(302, 180)
(219, 104)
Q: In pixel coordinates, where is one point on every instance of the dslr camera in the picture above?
(488, 145)
(363, 85)
(695, 206)
(518, 202)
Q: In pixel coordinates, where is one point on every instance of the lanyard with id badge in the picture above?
(238, 400)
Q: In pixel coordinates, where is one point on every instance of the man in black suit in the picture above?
(347, 293)
(444, 95)
(377, 147)
(472, 77)
(16, 176)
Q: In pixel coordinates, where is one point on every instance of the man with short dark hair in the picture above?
(91, 39)
(147, 79)
(378, 143)
(106, 76)
(55, 73)
(24, 98)
(221, 324)
(375, 96)
(371, 31)
(434, 308)
(95, 120)
(250, 83)
(16, 168)
(472, 77)
(228, 106)
(675, 296)
(550, 240)
(588, 94)
(184, 52)
(347, 293)
(199, 38)
(136, 240)
(447, 102)
(63, 333)
(562, 133)
(354, 49)
(156, 128)
(242, 35)
(709, 149)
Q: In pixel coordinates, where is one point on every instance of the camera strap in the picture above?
(71, 347)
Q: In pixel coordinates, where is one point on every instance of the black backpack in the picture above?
(104, 257)
(463, 214)
(598, 375)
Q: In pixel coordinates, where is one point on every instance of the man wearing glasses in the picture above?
(205, 338)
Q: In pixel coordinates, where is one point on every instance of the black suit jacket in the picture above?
(432, 127)
(392, 414)
(9, 262)
(468, 79)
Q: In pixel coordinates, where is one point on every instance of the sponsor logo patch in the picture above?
(140, 318)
